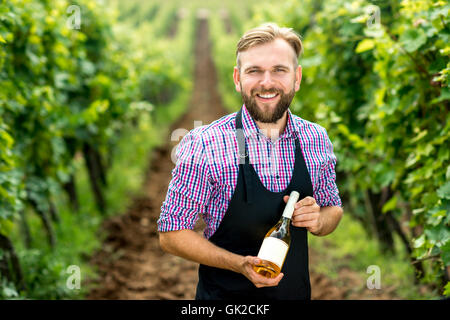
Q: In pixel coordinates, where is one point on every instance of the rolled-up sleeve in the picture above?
(190, 188)
(326, 191)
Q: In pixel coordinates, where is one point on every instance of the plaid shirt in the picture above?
(206, 171)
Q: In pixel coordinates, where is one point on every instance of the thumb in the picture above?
(256, 261)
(279, 277)
(253, 260)
(286, 198)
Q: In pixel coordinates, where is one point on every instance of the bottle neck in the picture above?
(285, 220)
(290, 206)
(287, 215)
(285, 223)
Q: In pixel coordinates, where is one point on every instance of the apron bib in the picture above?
(252, 211)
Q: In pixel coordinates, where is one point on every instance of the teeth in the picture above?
(267, 96)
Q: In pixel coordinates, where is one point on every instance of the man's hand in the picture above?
(320, 221)
(307, 214)
(258, 280)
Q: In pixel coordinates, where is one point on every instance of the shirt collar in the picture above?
(252, 130)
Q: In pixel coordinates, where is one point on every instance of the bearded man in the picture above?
(240, 182)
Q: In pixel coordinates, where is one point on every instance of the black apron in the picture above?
(252, 211)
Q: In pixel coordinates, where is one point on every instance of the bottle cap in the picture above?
(289, 209)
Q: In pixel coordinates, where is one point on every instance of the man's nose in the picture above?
(266, 80)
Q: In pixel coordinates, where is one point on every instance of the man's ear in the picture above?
(298, 77)
(237, 79)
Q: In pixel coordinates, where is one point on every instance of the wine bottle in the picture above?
(276, 243)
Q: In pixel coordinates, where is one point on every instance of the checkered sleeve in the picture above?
(326, 191)
(190, 188)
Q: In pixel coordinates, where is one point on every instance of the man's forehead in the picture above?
(266, 65)
(259, 62)
(277, 52)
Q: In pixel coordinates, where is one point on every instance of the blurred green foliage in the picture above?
(73, 75)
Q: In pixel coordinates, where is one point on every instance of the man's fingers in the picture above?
(305, 217)
(262, 281)
(257, 279)
(307, 209)
(278, 278)
(307, 201)
(305, 224)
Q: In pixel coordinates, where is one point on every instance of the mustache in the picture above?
(265, 91)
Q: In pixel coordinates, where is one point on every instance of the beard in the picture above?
(267, 117)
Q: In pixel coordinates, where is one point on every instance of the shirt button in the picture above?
(278, 177)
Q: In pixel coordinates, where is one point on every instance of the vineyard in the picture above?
(96, 95)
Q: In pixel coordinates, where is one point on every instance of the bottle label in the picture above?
(273, 250)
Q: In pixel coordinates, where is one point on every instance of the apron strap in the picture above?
(244, 161)
(298, 149)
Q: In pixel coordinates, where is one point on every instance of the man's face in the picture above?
(268, 79)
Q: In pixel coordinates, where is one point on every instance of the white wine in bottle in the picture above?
(276, 243)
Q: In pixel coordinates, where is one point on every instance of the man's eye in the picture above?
(253, 71)
(279, 70)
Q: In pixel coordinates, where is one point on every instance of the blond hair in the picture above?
(266, 33)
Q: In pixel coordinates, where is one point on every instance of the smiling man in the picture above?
(240, 182)
(270, 77)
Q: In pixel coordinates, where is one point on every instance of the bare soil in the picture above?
(131, 263)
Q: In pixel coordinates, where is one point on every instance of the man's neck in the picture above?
(273, 130)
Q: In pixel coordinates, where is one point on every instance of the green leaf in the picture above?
(419, 242)
(412, 39)
(447, 289)
(386, 177)
(436, 216)
(10, 292)
(419, 136)
(365, 45)
(445, 95)
(444, 191)
(430, 199)
(390, 205)
(312, 61)
(438, 235)
(445, 253)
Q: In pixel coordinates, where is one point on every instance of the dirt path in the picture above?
(131, 263)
